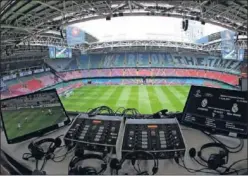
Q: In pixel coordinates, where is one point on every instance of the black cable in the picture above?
(190, 170)
(136, 169)
(43, 165)
(199, 162)
(240, 146)
(63, 156)
(234, 163)
(138, 164)
(119, 109)
(237, 171)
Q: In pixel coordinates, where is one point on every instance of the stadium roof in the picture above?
(40, 21)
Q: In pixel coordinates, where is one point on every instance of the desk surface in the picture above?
(193, 138)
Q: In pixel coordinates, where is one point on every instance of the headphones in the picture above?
(75, 169)
(216, 159)
(116, 164)
(38, 152)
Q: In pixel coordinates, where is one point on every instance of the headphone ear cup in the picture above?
(214, 161)
(57, 142)
(192, 152)
(86, 171)
(104, 166)
(115, 164)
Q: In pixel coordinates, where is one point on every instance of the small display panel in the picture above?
(29, 115)
(216, 110)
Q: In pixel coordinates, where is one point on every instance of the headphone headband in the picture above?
(215, 160)
(74, 161)
(208, 145)
(38, 152)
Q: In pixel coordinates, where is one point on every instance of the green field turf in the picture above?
(36, 120)
(147, 99)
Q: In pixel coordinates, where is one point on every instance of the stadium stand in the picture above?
(214, 75)
(167, 60)
(169, 69)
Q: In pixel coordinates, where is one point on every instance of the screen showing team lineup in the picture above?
(30, 113)
(218, 109)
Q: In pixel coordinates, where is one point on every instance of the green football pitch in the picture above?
(147, 99)
(37, 118)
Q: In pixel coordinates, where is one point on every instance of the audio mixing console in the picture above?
(99, 133)
(162, 137)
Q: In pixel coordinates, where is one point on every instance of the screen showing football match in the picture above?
(60, 52)
(30, 113)
(215, 109)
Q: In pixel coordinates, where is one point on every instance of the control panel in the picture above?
(162, 137)
(98, 133)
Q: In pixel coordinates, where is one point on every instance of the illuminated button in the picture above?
(163, 146)
(174, 132)
(98, 136)
(144, 136)
(81, 137)
(130, 138)
(113, 129)
(97, 139)
(101, 128)
(144, 139)
(161, 132)
(130, 145)
(144, 132)
(163, 142)
(131, 133)
(144, 146)
(145, 143)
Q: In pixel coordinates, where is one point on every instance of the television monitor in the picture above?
(59, 52)
(63, 52)
(219, 111)
(32, 115)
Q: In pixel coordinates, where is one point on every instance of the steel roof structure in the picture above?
(39, 22)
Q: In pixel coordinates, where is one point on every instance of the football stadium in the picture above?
(119, 54)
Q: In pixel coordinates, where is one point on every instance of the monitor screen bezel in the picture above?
(38, 132)
(206, 128)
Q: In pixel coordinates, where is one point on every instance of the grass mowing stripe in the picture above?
(102, 100)
(144, 102)
(113, 100)
(154, 100)
(123, 98)
(173, 99)
(133, 99)
(181, 97)
(162, 97)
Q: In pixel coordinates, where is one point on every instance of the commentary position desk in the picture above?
(193, 138)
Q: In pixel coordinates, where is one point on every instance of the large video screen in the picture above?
(229, 50)
(25, 115)
(74, 36)
(217, 110)
(60, 52)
